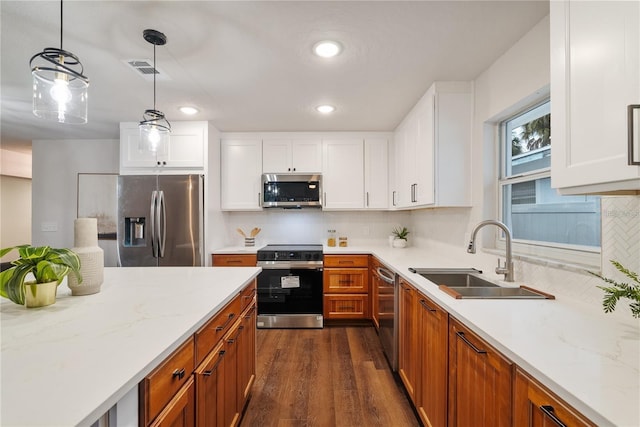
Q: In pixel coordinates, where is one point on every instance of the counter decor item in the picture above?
(400, 237)
(343, 242)
(331, 239)
(91, 257)
(249, 240)
(612, 294)
(47, 265)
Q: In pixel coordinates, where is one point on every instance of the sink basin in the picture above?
(465, 283)
(454, 277)
(495, 292)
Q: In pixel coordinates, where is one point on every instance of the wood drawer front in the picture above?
(536, 406)
(234, 260)
(354, 306)
(346, 261)
(157, 389)
(248, 296)
(347, 280)
(180, 412)
(214, 329)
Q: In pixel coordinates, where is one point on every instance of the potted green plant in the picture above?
(400, 237)
(47, 265)
(621, 290)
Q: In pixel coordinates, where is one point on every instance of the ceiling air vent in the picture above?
(144, 68)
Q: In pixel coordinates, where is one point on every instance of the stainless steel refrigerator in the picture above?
(160, 220)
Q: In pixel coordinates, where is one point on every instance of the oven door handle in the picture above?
(283, 265)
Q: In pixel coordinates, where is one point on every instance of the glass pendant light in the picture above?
(154, 128)
(59, 87)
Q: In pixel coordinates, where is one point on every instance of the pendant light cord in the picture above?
(154, 76)
(61, 24)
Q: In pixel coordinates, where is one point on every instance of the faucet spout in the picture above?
(507, 270)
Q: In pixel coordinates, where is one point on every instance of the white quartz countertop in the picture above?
(68, 363)
(589, 358)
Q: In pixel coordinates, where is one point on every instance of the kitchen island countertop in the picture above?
(68, 363)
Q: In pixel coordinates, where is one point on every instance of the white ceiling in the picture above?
(248, 66)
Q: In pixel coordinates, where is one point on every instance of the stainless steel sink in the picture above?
(454, 277)
(465, 283)
(497, 292)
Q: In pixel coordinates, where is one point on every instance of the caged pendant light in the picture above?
(154, 128)
(59, 87)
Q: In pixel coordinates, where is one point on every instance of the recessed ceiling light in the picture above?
(188, 110)
(326, 109)
(327, 48)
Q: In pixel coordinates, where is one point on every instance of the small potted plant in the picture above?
(620, 290)
(48, 266)
(400, 237)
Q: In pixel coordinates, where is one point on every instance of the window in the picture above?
(536, 214)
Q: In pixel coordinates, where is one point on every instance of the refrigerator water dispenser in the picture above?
(134, 231)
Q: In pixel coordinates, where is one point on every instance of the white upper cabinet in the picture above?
(186, 151)
(432, 149)
(595, 77)
(240, 174)
(376, 179)
(292, 155)
(343, 173)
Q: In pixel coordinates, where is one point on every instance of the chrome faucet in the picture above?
(507, 270)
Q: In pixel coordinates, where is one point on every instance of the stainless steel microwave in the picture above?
(291, 191)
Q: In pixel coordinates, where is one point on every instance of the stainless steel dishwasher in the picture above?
(388, 314)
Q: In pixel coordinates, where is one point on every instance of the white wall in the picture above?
(56, 165)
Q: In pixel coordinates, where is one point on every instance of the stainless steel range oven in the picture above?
(290, 286)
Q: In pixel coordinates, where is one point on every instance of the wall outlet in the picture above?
(49, 226)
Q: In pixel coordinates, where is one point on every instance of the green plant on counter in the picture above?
(45, 263)
(621, 290)
(401, 233)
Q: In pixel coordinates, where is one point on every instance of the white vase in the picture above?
(91, 258)
(399, 243)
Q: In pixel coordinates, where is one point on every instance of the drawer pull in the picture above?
(210, 371)
(250, 312)
(345, 262)
(470, 344)
(424, 304)
(224, 325)
(345, 282)
(178, 373)
(234, 261)
(549, 412)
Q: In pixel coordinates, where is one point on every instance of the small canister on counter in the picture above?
(331, 240)
(342, 242)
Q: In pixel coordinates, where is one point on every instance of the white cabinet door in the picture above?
(343, 173)
(240, 174)
(595, 76)
(376, 173)
(288, 156)
(306, 155)
(185, 153)
(276, 155)
(433, 149)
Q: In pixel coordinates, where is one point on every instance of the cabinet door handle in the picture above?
(259, 201)
(470, 344)
(178, 373)
(367, 198)
(393, 198)
(549, 412)
(215, 366)
(224, 325)
(631, 109)
(424, 304)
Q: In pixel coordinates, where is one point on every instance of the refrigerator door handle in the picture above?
(162, 222)
(152, 217)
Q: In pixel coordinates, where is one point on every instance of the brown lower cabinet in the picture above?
(180, 411)
(480, 381)
(215, 393)
(408, 351)
(346, 287)
(431, 395)
(535, 406)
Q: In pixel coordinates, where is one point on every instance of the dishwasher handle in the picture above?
(386, 275)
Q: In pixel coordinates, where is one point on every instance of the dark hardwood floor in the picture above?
(336, 376)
